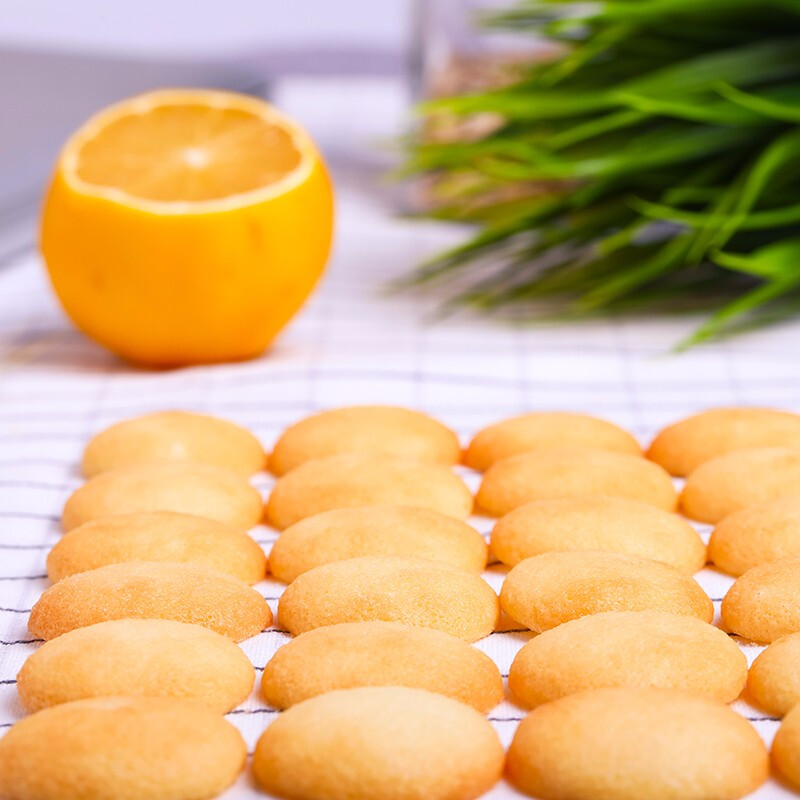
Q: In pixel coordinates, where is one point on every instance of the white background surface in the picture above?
(352, 344)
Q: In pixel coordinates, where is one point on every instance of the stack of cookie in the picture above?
(383, 694)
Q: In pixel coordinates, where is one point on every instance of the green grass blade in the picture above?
(780, 110)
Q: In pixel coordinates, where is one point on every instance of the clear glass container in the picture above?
(454, 53)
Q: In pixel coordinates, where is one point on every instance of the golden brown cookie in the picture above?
(355, 654)
(352, 480)
(683, 446)
(598, 523)
(121, 748)
(636, 744)
(157, 536)
(191, 593)
(392, 743)
(200, 489)
(369, 430)
(546, 430)
(738, 480)
(774, 679)
(413, 591)
(174, 436)
(147, 657)
(756, 535)
(764, 603)
(376, 531)
(553, 588)
(786, 748)
(573, 472)
(628, 648)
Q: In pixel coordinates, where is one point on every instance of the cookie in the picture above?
(682, 447)
(352, 480)
(553, 588)
(174, 436)
(573, 472)
(636, 743)
(369, 430)
(764, 603)
(121, 748)
(392, 743)
(756, 535)
(413, 591)
(148, 657)
(200, 489)
(376, 531)
(738, 480)
(786, 748)
(628, 648)
(157, 536)
(355, 654)
(543, 430)
(598, 523)
(191, 593)
(774, 679)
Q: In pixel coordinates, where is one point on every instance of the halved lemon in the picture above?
(187, 226)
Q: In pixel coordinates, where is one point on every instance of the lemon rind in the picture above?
(70, 153)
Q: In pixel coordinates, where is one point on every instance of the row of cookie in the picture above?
(354, 743)
(179, 591)
(745, 539)
(633, 649)
(295, 502)
(717, 488)
(363, 653)
(680, 448)
(540, 591)
(132, 707)
(129, 701)
(741, 541)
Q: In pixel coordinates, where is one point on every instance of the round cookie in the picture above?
(764, 603)
(632, 744)
(735, 481)
(354, 654)
(200, 489)
(786, 748)
(756, 535)
(121, 748)
(683, 446)
(413, 591)
(392, 743)
(546, 430)
(548, 590)
(572, 472)
(190, 593)
(148, 657)
(376, 531)
(369, 430)
(774, 679)
(598, 523)
(157, 536)
(174, 436)
(628, 648)
(352, 480)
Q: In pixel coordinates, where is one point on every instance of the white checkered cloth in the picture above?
(351, 345)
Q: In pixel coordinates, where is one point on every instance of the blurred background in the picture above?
(348, 71)
(678, 122)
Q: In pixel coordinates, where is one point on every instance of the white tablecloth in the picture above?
(352, 344)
